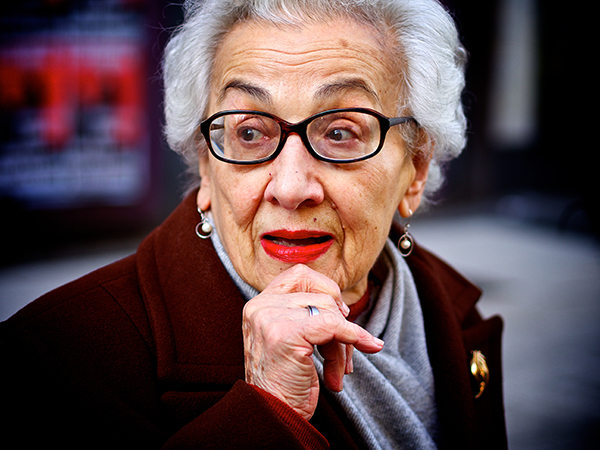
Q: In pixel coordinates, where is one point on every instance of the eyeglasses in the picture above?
(337, 136)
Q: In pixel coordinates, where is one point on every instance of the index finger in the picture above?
(301, 278)
(325, 328)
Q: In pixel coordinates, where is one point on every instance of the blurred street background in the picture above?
(85, 174)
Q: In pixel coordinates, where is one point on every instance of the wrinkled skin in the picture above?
(279, 336)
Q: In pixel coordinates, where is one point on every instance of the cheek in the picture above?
(387, 183)
(236, 197)
(375, 199)
(367, 205)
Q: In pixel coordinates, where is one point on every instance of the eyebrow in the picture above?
(325, 91)
(341, 86)
(257, 92)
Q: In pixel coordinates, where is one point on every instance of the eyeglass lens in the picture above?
(338, 135)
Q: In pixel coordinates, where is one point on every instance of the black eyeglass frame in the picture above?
(287, 128)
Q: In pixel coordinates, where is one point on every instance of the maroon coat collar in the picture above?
(436, 278)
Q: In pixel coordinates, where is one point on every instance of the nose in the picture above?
(294, 177)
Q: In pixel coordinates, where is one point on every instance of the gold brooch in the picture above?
(480, 370)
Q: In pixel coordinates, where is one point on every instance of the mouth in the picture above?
(296, 247)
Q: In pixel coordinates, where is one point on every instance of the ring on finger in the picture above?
(313, 310)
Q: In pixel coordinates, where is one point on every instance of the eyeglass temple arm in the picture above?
(399, 120)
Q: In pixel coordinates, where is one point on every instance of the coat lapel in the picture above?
(194, 308)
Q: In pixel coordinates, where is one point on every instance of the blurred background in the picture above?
(85, 174)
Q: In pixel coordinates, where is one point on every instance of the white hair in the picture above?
(425, 41)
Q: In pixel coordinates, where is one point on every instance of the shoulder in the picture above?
(85, 346)
(101, 306)
(436, 279)
(89, 286)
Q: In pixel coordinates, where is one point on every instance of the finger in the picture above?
(301, 278)
(349, 362)
(334, 364)
(327, 327)
(292, 306)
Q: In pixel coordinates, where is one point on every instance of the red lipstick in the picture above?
(296, 247)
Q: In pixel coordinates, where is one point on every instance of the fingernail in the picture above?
(345, 309)
(378, 342)
(349, 366)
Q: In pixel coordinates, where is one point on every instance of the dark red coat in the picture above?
(148, 352)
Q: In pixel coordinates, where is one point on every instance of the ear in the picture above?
(203, 198)
(412, 198)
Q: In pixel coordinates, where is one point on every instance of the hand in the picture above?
(279, 338)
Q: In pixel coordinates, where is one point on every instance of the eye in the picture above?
(249, 134)
(339, 135)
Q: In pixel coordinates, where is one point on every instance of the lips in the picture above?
(296, 247)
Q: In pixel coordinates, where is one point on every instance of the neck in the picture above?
(356, 292)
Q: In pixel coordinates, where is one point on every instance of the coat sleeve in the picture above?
(78, 370)
(245, 418)
(46, 402)
(74, 392)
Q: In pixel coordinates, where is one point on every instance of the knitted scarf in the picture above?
(390, 395)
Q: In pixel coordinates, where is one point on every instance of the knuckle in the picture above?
(327, 325)
(272, 334)
(248, 310)
(300, 269)
(329, 320)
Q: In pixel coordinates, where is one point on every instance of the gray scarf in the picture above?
(390, 395)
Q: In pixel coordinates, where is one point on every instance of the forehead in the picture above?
(321, 60)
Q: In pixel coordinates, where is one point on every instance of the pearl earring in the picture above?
(203, 229)
(406, 242)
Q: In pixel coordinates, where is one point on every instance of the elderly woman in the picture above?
(275, 307)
